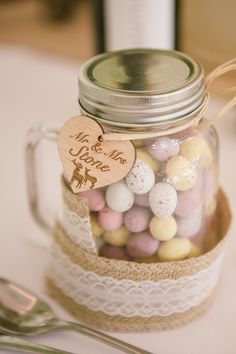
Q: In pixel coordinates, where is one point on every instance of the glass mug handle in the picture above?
(35, 136)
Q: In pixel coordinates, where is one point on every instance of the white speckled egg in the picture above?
(119, 197)
(196, 149)
(163, 199)
(141, 178)
(181, 173)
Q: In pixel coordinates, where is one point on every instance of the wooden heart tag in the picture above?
(89, 163)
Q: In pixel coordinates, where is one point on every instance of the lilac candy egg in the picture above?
(142, 245)
(110, 220)
(96, 200)
(114, 252)
(188, 201)
(189, 227)
(164, 148)
(137, 219)
(141, 200)
(210, 185)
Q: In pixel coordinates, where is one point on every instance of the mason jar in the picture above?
(139, 247)
(164, 209)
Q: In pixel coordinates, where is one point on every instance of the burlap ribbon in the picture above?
(139, 272)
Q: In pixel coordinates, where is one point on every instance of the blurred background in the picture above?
(44, 42)
(42, 45)
(78, 29)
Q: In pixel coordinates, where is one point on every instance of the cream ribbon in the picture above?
(196, 121)
(130, 298)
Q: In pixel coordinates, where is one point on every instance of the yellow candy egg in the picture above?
(181, 173)
(196, 149)
(117, 237)
(151, 259)
(194, 252)
(97, 230)
(138, 143)
(163, 229)
(210, 206)
(175, 249)
(144, 155)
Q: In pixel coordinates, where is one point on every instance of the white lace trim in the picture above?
(130, 298)
(78, 229)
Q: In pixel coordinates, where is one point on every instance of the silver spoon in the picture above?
(23, 313)
(14, 343)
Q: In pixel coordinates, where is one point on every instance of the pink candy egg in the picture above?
(142, 200)
(189, 227)
(96, 200)
(137, 219)
(164, 148)
(142, 245)
(110, 220)
(114, 252)
(188, 201)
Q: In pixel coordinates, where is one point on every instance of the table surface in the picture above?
(37, 88)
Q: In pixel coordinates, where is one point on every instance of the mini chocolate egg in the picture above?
(189, 200)
(152, 259)
(137, 219)
(142, 245)
(141, 178)
(184, 134)
(138, 143)
(175, 249)
(163, 229)
(210, 184)
(210, 207)
(114, 252)
(189, 227)
(196, 149)
(119, 197)
(181, 173)
(109, 219)
(97, 230)
(194, 252)
(99, 243)
(141, 200)
(144, 155)
(96, 200)
(163, 199)
(164, 148)
(117, 237)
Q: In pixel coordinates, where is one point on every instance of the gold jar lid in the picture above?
(141, 86)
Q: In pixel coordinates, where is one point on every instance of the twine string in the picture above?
(196, 122)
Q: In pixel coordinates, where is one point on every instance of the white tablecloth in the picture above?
(38, 88)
